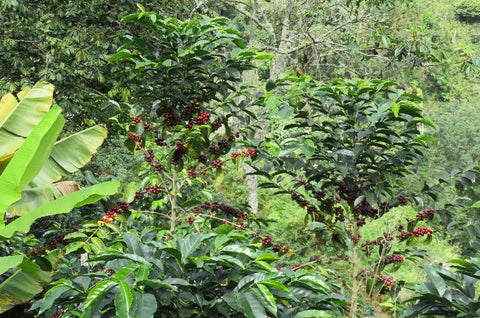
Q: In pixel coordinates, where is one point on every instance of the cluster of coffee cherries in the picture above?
(136, 120)
(217, 164)
(244, 153)
(388, 280)
(394, 258)
(170, 119)
(426, 214)
(203, 117)
(118, 209)
(149, 158)
(133, 136)
(421, 231)
(267, 242)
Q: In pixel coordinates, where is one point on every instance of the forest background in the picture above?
(431, 48)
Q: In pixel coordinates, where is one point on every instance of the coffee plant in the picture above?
(342, 157)
(171, 246)
(447, 293)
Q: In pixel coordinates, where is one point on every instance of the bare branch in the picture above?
(250, 16)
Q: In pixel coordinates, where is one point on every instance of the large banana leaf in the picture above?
(63, 204)
(19, 117)
(17, 120)
(32, 198)
(35, 197)
(70, 154)
(29, 159)
(27, 280)
(27, 137)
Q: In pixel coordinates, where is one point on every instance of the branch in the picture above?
(323, 36)
(251, 16)
(199, 4)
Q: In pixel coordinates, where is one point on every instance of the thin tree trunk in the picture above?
(280, 63)
(355, 282)
(251, 77)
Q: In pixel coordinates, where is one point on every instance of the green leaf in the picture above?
(124, 272)
(61, 205)
(277, 285)
(96, 295)
(285, 112)
(29, 159)
(226, 260)
(123, 54)
(18, 119)
(264, 56)
(74, 246)
(252, 308)
(167, 63)
(271, 102)
(75, 235)
(313, 314)
(109, 255)
(142, 273)
(267, 257)
(114, 227)
(191, 244)
(266, 266)
(146, 305)
(19, 287)
(129, 191)
(97, 245)
(311, 282)
(63, 161)
(52, 295)
(7, 262)
(224, 229)
(436, 280)
(267, 299)
(308, 148)
(395, 109)
(124, 300)
(239, 249)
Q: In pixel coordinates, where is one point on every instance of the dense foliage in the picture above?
(193, 108)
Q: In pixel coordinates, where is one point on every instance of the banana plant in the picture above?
(18, 117)
(24, 159)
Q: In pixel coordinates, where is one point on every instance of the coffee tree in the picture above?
(342, 156)
(172, 246)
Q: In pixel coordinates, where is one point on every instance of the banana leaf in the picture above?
(29, 159)
(28, 279)
(19, 117)
(70, 154)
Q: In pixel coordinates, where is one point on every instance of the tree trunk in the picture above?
(251, 77)
(280, 63)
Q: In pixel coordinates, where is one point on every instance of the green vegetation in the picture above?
(264, 159)
(468, 11)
